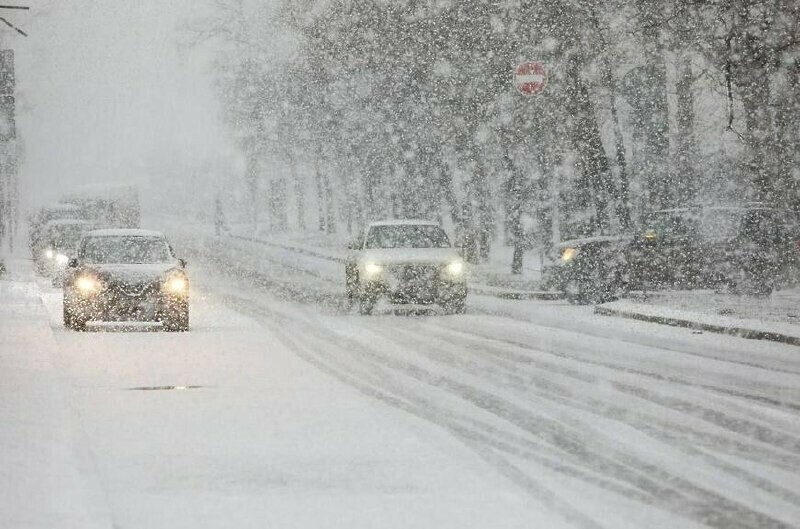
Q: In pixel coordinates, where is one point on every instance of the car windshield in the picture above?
(720, 224)
(126, 250)
(672, 225)
(407, 236)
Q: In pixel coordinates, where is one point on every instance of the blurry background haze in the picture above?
(107, 92)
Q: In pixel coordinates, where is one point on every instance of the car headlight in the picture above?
(88, 285)
(373, 269)
(568, 254)
(49, 254)
(62, 259)
(456, 268)
(176, 285)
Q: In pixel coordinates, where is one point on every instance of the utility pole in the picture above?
(9, 162)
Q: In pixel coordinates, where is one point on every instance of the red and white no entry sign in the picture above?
(530, 78)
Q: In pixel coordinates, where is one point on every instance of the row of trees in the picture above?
(408, 108)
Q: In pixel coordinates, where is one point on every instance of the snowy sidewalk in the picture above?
(46, 475)
(775, 318)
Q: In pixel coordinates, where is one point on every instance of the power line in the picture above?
(12, 26)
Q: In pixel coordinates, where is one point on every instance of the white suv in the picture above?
(405, 261)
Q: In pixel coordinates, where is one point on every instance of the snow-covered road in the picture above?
(518, 414)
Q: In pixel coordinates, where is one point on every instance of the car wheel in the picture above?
(351, 286)
(67, 317)
(754, 287)
(366, 303)
(745, 283)
(574, 292)
(456, 305)
(177, 320)
(71, 321)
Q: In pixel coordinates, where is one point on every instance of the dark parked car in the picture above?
(748, 249)
(123, 275)
(592, 269)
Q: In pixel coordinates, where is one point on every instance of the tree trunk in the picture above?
(685, 181)
(755, 99)
(484, 216)
(299, 193)
(654, 118)
(513, 201)
(320, 193)
(330, 211)
(622, 196)
(252, 175)
(595, 184)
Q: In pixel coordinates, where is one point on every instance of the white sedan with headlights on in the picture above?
(126, 275)
(405, 261)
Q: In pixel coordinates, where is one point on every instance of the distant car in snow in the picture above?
(126, 275)
(405, 261)
(47, 214)
(59, 241)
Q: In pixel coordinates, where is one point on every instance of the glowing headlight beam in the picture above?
(176, 285)
(49, 254)
(568, 254)
(62, 259)
(373, 269)
(87, 285)
(455, 268)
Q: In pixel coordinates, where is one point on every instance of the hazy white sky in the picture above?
(106, 91)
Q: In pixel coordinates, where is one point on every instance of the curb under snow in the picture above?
(732, 330)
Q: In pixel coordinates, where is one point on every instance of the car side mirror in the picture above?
(182, 263)
(73, 262)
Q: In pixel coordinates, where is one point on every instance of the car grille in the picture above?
(414, 273)
(134, 290)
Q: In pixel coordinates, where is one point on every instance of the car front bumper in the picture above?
(423, 290)
(112, 306)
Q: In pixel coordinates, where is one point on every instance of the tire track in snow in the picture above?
(671, 492)
(613, 346)
(647, 424)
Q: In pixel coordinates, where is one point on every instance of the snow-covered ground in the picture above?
(518, 414)
(778, 313)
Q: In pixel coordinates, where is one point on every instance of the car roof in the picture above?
(403, 222)
(68, 222)
(596, 239)
(124, 232)
(60, 207)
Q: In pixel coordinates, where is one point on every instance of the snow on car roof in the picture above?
(68, 222)
(123, 232)
(403, 222)
(587, 240)
(60, 207)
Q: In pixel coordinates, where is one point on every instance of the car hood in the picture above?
(410, 255)
(133, 273)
